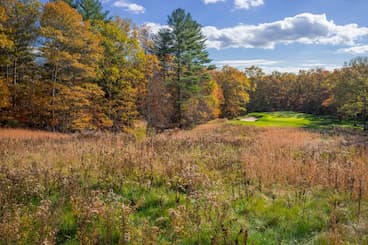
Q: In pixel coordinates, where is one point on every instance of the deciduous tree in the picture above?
(71, 51)
(235, 87)
(122, 72)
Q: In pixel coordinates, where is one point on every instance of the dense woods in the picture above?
(68, 66)
(342, 93)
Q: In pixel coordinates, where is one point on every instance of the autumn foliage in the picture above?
(68, 66)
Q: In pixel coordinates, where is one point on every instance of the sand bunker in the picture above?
(249, 119)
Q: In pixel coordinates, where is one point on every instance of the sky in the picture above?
(282, 35)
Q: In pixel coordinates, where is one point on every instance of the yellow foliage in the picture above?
(4, 40)
(71, 48)
(235, 88)
(4, 95)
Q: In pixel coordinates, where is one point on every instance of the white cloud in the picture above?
(247, 4)
(360, 49)
(132, 7)
(304, 28)
(212, 1)
(154, 27)
(268, 66)
(299, 67)
(245, 63)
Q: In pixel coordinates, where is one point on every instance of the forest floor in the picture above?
(220, 183)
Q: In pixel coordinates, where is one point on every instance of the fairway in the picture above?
(291, 119)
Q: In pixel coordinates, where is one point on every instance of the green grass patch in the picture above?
(293, 120)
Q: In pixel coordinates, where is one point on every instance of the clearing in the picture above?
(291, 119)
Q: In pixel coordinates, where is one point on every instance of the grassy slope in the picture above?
(292, 119)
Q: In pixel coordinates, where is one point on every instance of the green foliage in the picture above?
(121, 72)
(182, 47)
(92, 10)
(351, 91)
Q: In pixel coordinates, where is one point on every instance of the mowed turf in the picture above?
(292, 119)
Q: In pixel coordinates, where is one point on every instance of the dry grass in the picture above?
(301, 158)
(29, 134)
(217, 181)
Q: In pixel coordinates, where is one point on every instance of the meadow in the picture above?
(219, 183)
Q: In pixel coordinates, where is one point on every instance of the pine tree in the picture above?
(92, 10)
(184, 41)
(162, 49)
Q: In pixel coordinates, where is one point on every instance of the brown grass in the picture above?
(216, 166)
(301, 158)
(30, 134)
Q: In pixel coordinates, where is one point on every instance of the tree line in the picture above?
(342, 93)
(68, 66)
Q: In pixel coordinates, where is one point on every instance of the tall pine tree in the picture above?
(91, 10)
(184, 41)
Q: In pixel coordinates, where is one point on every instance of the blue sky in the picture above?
(284, 35)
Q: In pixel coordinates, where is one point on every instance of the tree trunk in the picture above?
(14, 83)
(179, 94)
(53, 98)
(365, 114)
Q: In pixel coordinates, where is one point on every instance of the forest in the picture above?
(69, 66)
(114, 133)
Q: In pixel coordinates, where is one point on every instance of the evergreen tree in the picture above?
(92, 10)
(184, 41)
(162, 49)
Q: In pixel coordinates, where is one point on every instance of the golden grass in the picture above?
(306, 159)
(29, 134)
(190, 180)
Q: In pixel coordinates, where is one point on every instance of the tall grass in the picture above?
(216, 184)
